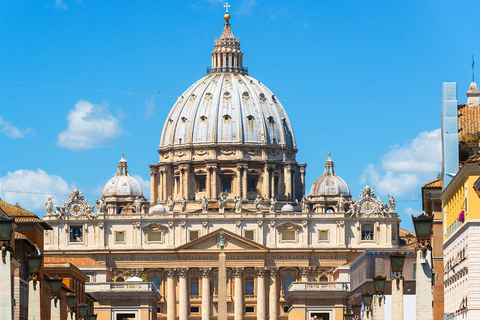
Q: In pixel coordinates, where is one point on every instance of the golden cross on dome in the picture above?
(226, 6)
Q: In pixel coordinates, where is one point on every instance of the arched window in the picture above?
(249, 286)
(157, 282)
(287, 281)
(120, 279)
(323, 279)
(194, 287)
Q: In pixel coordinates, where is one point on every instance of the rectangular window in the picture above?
(288, 235)
(202, 184)
(323, 235)
(119, 236)
(227, 185)
(249, 309)
(76, 234)
(194, 309)
(252, 185)
(367, 232)
(155, 236)
(249, 234)
(193, 235)
(249, 287)
(194, 288)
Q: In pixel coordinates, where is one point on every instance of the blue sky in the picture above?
(83, 81)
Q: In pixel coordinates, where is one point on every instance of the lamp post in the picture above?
(397, 259)
(82, 310)
(367, 302)
(56, 288)
(71, 303)
(423, 281)
(357, 309)
(7, 227)
(379, 297)
(34, 265)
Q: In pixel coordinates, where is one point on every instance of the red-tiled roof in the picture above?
(77, 261)
(21, 215)
(468, 122)
(434, 184)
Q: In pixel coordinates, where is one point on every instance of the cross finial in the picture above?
(226, 6)
(473, 69)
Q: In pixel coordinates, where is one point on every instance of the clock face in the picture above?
(368, 206)
(75, 208)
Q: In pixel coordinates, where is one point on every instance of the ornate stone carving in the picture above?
(205, 223)
(137, 204)
(183, 223)
(101, 206)
(304, 203)
(227, 152)
(182, 272)
(170, 272)
(392, 203)
(49, 206)
(237, 272)
(260, 223)
(76, 206)
(205, 272)
(204, 204)
(261, 271)
(170, 204)
(306, 271)
(136, 224)
(238, 223)
(183, 204)
(273, 272)
(201, 152)
(257, 204)
(238, 204)
(288, 226)
(222, 202)
(171, 224)
(252, 152)
(273, 204)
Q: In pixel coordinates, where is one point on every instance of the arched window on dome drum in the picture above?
(157, 282)
(119, 279)
(287, 281)
(330, 210)
(323, 279)
(194, 286)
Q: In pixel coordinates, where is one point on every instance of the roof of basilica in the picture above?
(227, 106)
(329, 183)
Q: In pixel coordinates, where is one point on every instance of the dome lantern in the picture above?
(122, 184)
(329, 184)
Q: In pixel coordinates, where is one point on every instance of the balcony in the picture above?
(317, 289)
(122, 287)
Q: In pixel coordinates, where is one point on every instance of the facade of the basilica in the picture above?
(227, 183)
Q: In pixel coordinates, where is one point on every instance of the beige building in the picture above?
(227, 181)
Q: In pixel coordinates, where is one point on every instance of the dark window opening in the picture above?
(76, 234)
(194, 309)
(202, 184)
(249, 309)
(227, 185)
(252, 184)
(249, 286)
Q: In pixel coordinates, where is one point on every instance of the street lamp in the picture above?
(56, 287)
(379, 284)
(71, 303)
(34, 265)
(6, 232)
(397, 259)
(357, 309)
(367, 301)
(82, 310)
(423, 225)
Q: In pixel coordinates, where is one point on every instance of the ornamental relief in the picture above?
(286, 226)
(201, 152)
(227, 151)
(252, 152)
(180, 154)
(273, 153)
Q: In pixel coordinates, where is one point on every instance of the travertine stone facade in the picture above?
(227, 167)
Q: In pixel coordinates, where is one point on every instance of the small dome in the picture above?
(159, 208)
(287, 208)
(134, 279)
(122, 184)
(329, 184)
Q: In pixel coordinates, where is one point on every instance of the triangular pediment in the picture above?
(234, 243)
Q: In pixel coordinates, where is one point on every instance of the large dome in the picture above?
(227, 108)
(122, 184)
(329, 184)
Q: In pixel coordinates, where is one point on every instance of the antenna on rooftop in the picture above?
(473, 69)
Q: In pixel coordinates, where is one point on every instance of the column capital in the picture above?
(306, 271)
(170, 272)
(205, 272)
(237, 272)
(273, 272)
(182, 272)
(261, 271)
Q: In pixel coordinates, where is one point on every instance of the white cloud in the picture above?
(412, 212)
(246, 7)
(89, 126)
(59, 4)
(34, 188)
(149, 108)
(406, 168)
(144, 184)
(13, 132)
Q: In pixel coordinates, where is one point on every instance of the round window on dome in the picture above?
(226, 95)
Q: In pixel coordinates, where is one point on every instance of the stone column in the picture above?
(159, 182)
(244, 182)
(183, 294)
(379, 308)
(424, 285)
(166, 173)
(238, 295)
(170, 273)
(266, 182)
(208, 182)
(214, 183)
(288, 183)
(55, 309)
(34, 300)
(6, 311)
(272, 184)
(273, 297)
(222, 286)
(153, 193)
(180, 182)
(397, 300)
(261, 314)
(302, 179)
(238, 184)
(206, 299)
